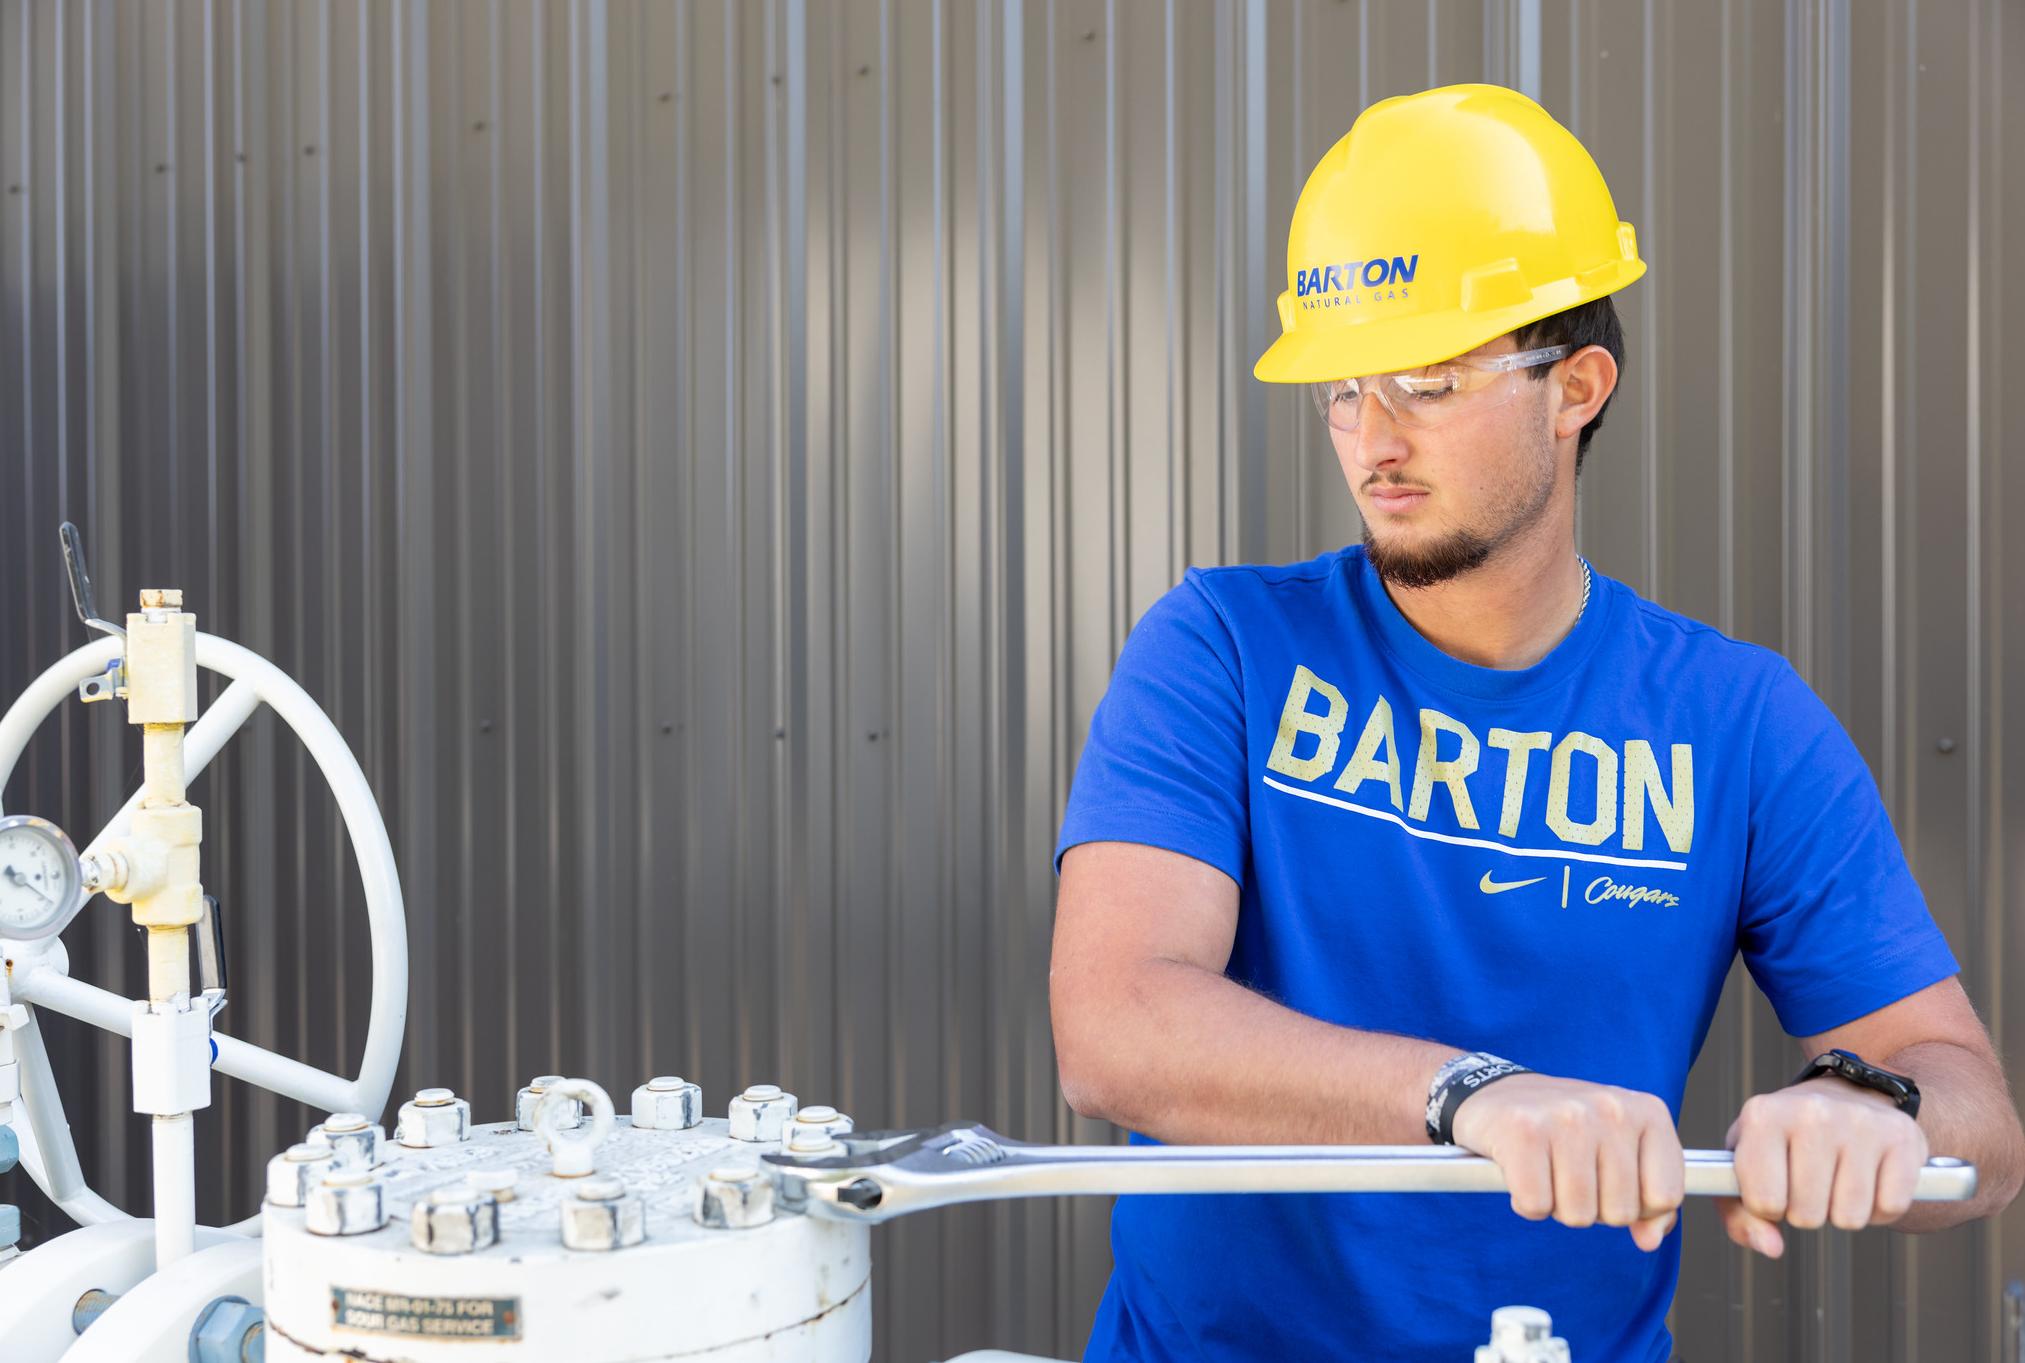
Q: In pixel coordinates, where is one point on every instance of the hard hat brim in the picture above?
(1324, 354)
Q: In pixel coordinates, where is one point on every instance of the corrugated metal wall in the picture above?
(706, 457)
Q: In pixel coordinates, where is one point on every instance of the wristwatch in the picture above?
(1848, 1065)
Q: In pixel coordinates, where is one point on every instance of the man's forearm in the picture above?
(1965, 1111)
(1186, 1055)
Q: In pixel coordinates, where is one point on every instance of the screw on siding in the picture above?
(872, 737)
(161, 167)
(309, 150)
(240, 157)
(484, 726)
(478, 126)
(1946, 745)
(14, 189)
(780, 733)
(865, 70)
(665, 96)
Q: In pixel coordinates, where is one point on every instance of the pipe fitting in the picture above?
(568, 1117)
(292, 1173)
(734, 1199)
(434, 1117)
(761, 1113)
(457, 1219)
(602, 1216)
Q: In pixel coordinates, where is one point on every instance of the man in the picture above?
(1451, 838)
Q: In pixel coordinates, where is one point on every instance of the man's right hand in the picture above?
(1580, 1152)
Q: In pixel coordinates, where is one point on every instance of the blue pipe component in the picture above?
(10, 1226)
(10, 1149)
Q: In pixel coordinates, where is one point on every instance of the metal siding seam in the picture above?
(1654, 387)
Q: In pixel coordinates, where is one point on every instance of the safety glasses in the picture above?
(1435, 393)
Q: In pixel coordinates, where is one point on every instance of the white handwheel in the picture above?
(39, 969)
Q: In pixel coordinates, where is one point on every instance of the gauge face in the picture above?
(41, 886)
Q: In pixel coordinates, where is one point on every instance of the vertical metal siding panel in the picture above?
(393, 366)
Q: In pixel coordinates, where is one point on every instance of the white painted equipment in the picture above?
(147, 856)
(567, 1232)
(598, 1242)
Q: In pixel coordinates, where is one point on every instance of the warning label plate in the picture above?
(390, 1313)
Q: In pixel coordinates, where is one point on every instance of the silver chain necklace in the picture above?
(1585, 592)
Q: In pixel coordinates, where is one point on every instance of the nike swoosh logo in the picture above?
(1489, 886)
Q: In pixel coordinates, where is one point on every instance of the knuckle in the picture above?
(1849, 1220)
(1805, 1218)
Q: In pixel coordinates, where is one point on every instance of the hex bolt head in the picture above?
(819, 1117)
(602, 1216)
(347, 1202)
(434, 1117)
(296, 1170)
(734, 1199)
(667, 1103)
(228, 1330)
(457, 1219)
(761, 1113)
(524, 1102)
(355, 1141)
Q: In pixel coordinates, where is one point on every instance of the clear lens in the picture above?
(1434, 394)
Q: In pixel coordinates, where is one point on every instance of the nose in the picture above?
(1379, 442)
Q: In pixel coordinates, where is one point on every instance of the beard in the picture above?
(1464, 551)
(1426, 566)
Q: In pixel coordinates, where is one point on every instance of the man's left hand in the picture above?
(1821, 1152)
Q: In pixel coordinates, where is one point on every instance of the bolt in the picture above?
(1946, 745)
(292, 1173)
(229, 1330)
(734, 1199)
(309, 150)
(667, 1103)
(665, 96)
(571, 1116)
(861, 1193)
(355, 1141)
(602, 1216)
(819, 1119)
(456, 1219)
(347, 1202)
(761, 1113)
(435, 1117)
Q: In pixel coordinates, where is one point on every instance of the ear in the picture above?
(1587, 379)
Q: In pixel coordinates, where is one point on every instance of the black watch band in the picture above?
(1854, 1068)
(1457, 1080)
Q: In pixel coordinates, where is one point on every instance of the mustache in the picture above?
(1393, 485)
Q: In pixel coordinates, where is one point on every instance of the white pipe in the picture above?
(47, 1150)
(61, 1179)
(56, 991)
(234, 706)
(175, 1188)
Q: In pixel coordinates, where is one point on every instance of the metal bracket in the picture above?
(884, 1174)
(80, 582)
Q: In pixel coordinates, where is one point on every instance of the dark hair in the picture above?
(1585, 324)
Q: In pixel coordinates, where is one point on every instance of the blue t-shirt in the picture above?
(1556, 864)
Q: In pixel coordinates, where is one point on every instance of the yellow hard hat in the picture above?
(1441, 221)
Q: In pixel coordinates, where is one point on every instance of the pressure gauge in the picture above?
(41, 883)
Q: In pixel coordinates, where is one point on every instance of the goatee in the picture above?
(1430, 565)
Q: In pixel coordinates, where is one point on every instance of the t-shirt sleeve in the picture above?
(1832, 925)
(1164, 764)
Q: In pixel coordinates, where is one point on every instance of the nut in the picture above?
(456, 1219)
(602, 1215)
(667, 1103)
(296, 1170)
(572, 1114)
(820, 1117)
(225, 1329)
(347, 1202)
(355, 1141)
(761, 1113)
(734, 1199)
(814, 1144)
(434, 1117)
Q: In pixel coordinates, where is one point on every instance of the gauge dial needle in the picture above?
(22, 881)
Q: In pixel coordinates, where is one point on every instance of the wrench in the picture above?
(884, 1174)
